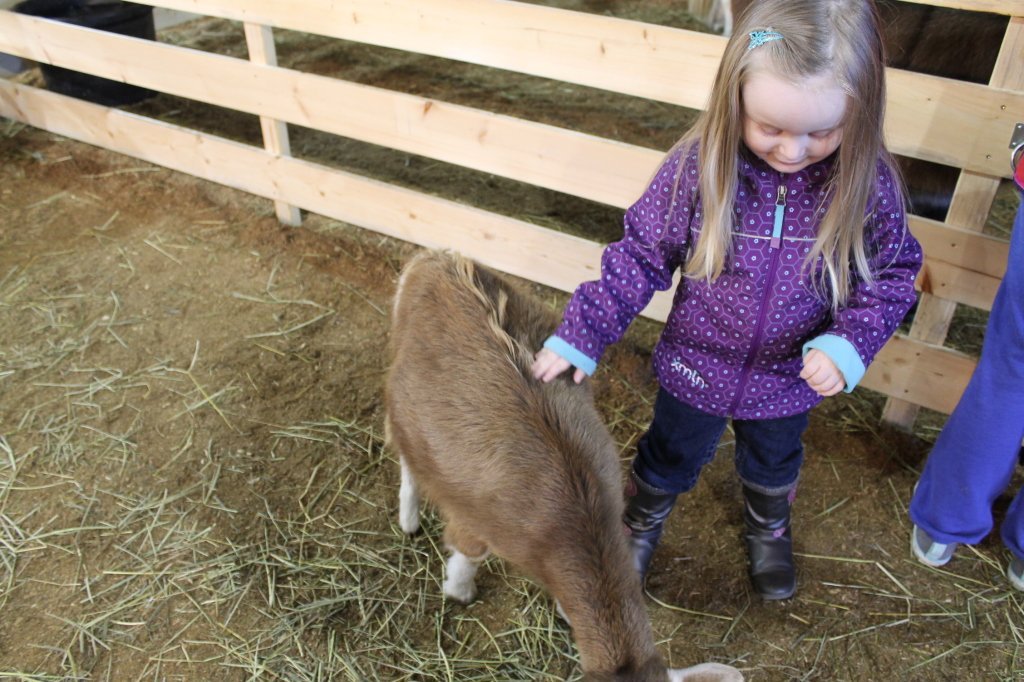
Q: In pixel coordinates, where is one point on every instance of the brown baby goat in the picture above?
(517, 467)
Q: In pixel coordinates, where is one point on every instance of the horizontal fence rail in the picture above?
(936, 119)
(583, 165)
(926, 115)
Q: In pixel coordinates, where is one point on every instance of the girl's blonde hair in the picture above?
(836, 37)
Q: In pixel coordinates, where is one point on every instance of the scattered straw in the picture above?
(159, 249)
(125, 171)
(891, 577)
(680, 609)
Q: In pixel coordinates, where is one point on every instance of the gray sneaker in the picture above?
(933, 553)
(1015, 573)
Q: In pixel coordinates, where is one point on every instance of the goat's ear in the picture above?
(706, 672)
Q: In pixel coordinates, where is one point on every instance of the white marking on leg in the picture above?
(561, 612)
(408, 501)
(459, 583)
(705, 672)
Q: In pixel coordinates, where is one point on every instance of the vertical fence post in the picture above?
(260, 41)
(969, 209)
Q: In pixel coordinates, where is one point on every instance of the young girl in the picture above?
(797, 267)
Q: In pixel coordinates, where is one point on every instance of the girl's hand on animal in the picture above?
(548, 364)
(821, 374)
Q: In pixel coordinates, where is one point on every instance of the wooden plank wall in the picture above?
(959, 124)
(972, 199)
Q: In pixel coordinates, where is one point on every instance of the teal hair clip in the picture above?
(759, 38)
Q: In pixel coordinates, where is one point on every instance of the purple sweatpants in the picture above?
(975, 455)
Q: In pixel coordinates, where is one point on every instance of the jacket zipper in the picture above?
(776, 243)
(780, 213)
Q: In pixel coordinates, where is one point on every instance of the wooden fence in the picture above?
(959, 124)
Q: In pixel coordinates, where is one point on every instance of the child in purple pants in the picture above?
(977, 451)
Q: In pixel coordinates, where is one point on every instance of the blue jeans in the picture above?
(681, 440)
(974, 457)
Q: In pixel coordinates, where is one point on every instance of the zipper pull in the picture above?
(780, 213)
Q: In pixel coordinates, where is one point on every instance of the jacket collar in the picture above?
(757, 174)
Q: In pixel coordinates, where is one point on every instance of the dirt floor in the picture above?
(193, 484)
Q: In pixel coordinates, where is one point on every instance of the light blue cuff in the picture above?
(567, 352)
(843, 354)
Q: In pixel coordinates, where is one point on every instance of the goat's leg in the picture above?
(460, 577)
(408, 500)
(467, 554)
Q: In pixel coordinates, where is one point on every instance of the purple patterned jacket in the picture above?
(734, 347)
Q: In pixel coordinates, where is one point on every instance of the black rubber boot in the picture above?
(769, 543)
(647, 508)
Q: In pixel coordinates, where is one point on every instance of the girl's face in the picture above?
(789, 125)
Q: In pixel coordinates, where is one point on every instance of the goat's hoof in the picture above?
(409, 523)
(464, 593)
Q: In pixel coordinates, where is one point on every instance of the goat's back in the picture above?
(521, 464)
